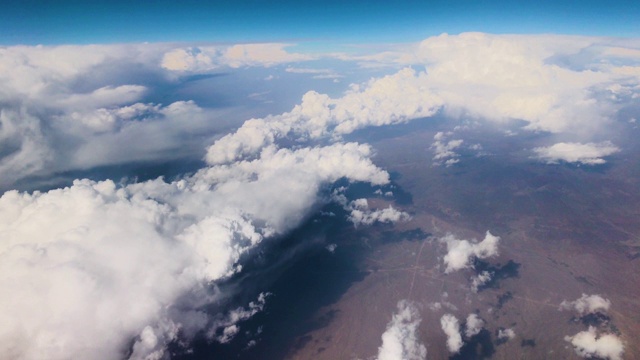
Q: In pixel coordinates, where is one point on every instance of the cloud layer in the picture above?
(99, 270)
(75, 107)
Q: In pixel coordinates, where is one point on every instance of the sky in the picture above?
(83, 22)
(149, 150)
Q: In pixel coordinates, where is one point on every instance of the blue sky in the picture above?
(56, 22)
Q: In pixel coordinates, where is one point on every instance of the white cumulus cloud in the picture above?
(451, 327)
(400, 341)
(588, 154)
(587, 304)
(481, 279)
(588, 344)
(389, 100)
(361, 214)
(473, 325)
(93, 266)
(460, 253)
(506, 334)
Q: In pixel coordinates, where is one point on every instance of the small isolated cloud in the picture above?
(588, 154)
(444, 150)
(589, 344)
(587, 304)
(451, 327)
(481, 279)
(473, 325)
(331, 248)
(443, 303)
(229, 322)
(460, 253)
(506, 334)
(400, 340)
(361, 214)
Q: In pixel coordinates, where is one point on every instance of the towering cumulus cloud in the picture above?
(400, 340)
(93, 266)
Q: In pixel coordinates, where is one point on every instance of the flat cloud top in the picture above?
(588, 154)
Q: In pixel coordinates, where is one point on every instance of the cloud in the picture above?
(400, 340)
(268, 54)
(444, 150)
(460, 253)
(86, 138)
(506, 334)
(554, 83)
(331, 248)
(503, 77)
(93, 266)
(229, 322)
(451, 328)
(361, 214)
(473, 325)
(566, 85)
(316, 73)
(587, 304)
(589, 344)
(65, 108)
(444, 303)
(197, 59)
(498, 78)
(97, 270)
(588, 154)
(389, 100)
(191, 59)
(481, 279)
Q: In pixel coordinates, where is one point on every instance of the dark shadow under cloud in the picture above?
(125, 173)
(499, 272)
(479, 346)
(303, 277)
